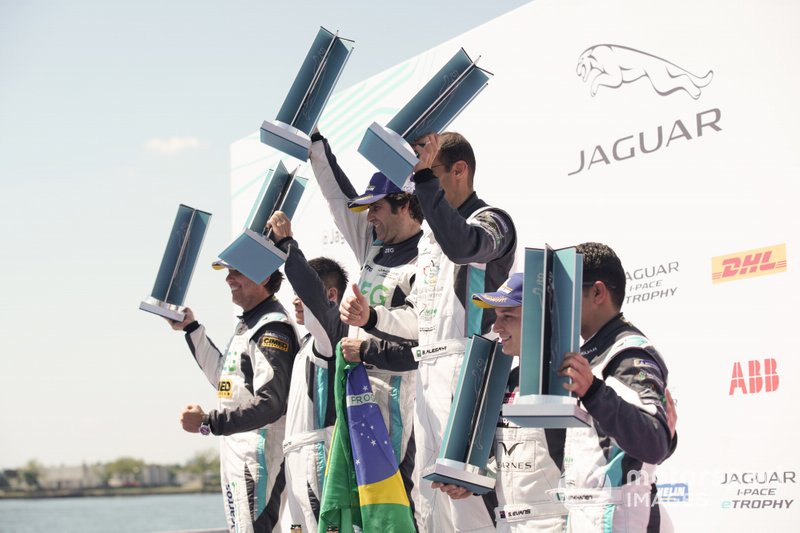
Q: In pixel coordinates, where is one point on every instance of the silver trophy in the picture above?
(177, 264)
(471, 426)
(309, 93)
(551, 319)
(252, 253)
(431, 110)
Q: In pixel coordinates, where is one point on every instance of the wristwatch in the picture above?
(205, 426)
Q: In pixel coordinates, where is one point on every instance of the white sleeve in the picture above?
(206, 354)
(355, 229)
(399, 323)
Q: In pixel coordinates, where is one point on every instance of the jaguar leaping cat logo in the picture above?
(611, 65)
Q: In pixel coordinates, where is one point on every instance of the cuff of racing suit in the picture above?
(362, 350)
(372, 321)
(283, 244)
(672, 445)
(317, 136)
(190, 327)
(593, 388)
(212, 421)
(423, 175)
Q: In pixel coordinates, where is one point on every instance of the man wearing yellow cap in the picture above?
(252, 376)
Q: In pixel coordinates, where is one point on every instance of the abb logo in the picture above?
(751, 263)
(757, 380)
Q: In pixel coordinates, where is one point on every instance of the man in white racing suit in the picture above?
(469, 248)
(319, 285)
(528, 461)
(383, 228)
(251, 376)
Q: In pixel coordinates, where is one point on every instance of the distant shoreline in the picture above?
(99, 492)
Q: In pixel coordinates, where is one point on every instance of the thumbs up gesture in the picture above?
(355, 309)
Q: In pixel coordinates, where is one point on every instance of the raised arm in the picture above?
(489, 236)
(322, 319)
(337, 190)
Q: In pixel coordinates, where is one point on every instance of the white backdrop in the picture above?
(702, 220)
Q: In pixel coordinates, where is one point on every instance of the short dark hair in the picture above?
(331, 273)
(600, 263)
(273, 284)
(455, 147)
(396, 200)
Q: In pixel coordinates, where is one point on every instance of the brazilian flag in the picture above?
(363, 489)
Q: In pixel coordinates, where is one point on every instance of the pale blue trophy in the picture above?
(551, 321)
(469, 435)
(433, 108)
(252, 253)
(177, 264)
(313, 86)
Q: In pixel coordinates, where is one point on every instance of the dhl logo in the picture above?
(749, 264)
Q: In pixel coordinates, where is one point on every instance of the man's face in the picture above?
(446, 180)
(586, 303)
(298, 310)
(244, 292)
(508, 326)
(387, 224)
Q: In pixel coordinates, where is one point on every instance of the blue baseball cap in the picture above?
(379, 186)
(508, 295)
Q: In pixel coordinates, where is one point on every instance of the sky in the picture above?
(112, 114)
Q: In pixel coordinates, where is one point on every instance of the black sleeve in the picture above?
(490, 238)
(274, 346)
(394, 356)
(311, 290)
(640, 430)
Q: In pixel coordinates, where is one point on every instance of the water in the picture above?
(119, 514)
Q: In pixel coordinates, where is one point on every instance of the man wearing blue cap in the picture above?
(528, 460)
(470, 248)
(609, 478)
(383, 228)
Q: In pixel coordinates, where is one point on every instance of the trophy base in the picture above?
(546, 411)
(389, 153)
(157, 307)
(253, 255)
(462, 474)
(286, 138)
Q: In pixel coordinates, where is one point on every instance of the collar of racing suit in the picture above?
(470, 205)
(251, 317)
(606, 336)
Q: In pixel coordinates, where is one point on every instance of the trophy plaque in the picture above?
(551, 319)
(313, 86)
(431, 110)
(177, 264)
(252, 253)
(469, 435)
